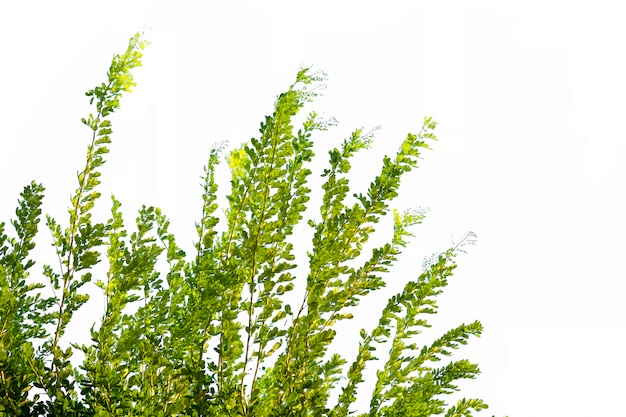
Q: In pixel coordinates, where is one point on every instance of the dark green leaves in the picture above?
(22, 307)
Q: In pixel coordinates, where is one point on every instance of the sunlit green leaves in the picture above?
(241, 326)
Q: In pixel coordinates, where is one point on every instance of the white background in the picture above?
(530, 105)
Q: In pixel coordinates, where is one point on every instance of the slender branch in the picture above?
(253, 268)
(6, 394)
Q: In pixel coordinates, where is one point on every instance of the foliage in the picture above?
(213, 334)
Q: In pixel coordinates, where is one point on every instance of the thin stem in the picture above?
(6, 394)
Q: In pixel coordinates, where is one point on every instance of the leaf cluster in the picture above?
(218, 333)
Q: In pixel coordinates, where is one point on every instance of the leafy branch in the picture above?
(214, 334)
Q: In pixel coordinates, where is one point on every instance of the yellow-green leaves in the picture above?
(242, 326)
(78, 244)
(120, 79)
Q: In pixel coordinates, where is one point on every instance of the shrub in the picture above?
(213, 334)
